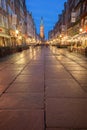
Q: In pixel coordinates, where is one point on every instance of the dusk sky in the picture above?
(48, 9)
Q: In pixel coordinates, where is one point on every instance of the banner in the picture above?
(73, 17)
(73, 20)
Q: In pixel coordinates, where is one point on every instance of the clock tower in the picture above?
(42, 29)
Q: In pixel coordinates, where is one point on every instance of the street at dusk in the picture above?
(43, 88)
(43, 65)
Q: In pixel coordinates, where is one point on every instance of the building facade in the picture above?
(16, 24)
(31, 29)
(4, 24)
(72, 22)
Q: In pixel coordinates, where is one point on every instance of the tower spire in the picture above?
(41, 22)
(42, 29)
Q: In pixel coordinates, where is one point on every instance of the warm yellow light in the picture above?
(20, 37)
(60, 36)
(17, 31)
(80, 29)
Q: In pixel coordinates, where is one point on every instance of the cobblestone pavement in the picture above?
(43, 89)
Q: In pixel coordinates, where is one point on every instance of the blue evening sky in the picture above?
(48, 9)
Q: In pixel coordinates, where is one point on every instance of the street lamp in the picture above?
(17, 32)
(80, 30)
(60, 35)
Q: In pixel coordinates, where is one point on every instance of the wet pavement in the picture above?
(43, 89)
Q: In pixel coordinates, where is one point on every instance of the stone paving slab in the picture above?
(58, 129)
(80, 76)
(14, 69)
(36, 81)
(26, 72)
(84, 87)
(7, 80)
(54, 70)
(69, 63)
(21, 101)
(52, 82)
(82, 81)
(68, 89)
(3, 87)
(29, 77)
(60, 75)
(30, 68)
(10, 72)
(26, 87)
(76, 68)
(22, 120)
(79, 72)
(33, 69)
(66, 112)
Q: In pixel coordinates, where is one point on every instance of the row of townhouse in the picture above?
(16, 23)
(72, 23)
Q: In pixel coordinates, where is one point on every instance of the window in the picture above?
(4, 4)
(0, 3)
(78, 12)
(5, 22)
(84, 7)
(76, 2)
(1, 20)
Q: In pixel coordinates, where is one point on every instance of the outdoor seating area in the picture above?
(7, 50)
(78, 44)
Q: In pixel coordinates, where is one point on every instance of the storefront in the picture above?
(84, 24)
(83, 38)
(4, 37)
(13, 38)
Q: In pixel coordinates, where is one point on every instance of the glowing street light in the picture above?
(80, 30)
(17, 32)
(60, 36)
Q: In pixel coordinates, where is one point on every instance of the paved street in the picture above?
(43, 89)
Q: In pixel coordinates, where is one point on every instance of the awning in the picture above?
(4, 35)
(84, 34)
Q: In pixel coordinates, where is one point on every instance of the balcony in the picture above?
(77, 2)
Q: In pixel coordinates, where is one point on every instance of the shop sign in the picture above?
(73, 17)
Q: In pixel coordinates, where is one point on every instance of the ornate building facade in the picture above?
(4, 25)
(72, 22)
(15, 22)
(42, 30)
